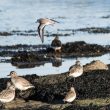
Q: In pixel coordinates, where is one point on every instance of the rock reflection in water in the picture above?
(28, 65)
(30, 60)
(57, 60)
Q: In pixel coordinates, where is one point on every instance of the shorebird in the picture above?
(42, 23)
(8, 85)
(70, 96)
(19, 82)
(56, 44)
(8, 94)
(76, 70)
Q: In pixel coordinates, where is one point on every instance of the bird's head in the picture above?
(12, 74)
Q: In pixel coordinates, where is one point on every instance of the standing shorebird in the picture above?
(8, 94)
(56, 44)
(42, 23)
(19, 82)
(76, 70)
(70, 96)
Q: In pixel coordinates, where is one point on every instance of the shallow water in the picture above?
(72, 14)
(47, 68)
(101, 39)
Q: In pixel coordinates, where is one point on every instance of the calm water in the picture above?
(47, 68)
(72, 14)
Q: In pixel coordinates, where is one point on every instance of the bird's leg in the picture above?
(64, 101)
(74, 79)
(42, 48)
(2, 105)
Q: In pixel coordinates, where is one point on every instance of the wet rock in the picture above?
(67, 34)
(95, 30)
(95, 65)
(5, 33)
(81, 49)
(106, 17)
(70, 49)
(29, 59)
(90, 107)
(51, 90)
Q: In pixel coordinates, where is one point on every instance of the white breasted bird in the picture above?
(56, 44)
(76, 70)
(20, 82)
(8, 94)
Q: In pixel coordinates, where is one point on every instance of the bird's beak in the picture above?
(8, 75)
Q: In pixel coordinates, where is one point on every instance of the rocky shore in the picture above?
(70, 49)
(92, 89)
(29, 59)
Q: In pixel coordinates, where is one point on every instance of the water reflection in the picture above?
(57, 60)
(21, 61)
(48, 68)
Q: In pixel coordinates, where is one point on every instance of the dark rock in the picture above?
(76, 49)
(5, 33)
(81, 49)
(70, 49)
(95, 29)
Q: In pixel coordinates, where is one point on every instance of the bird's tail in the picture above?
(32, 86)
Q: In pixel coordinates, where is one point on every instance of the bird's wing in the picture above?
(75, 69)
(41, 31)
(73, 66)
(69, 95)
(23, 81)
(5, 94)
(54, 21)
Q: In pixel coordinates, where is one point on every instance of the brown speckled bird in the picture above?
(76, 70)
(20, 82)
(70, 96)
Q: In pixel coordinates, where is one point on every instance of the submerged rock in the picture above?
(95, 30)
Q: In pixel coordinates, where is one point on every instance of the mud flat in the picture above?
(92, 88)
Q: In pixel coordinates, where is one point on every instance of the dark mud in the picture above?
(51, 89)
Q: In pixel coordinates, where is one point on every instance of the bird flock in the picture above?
(22, 84)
